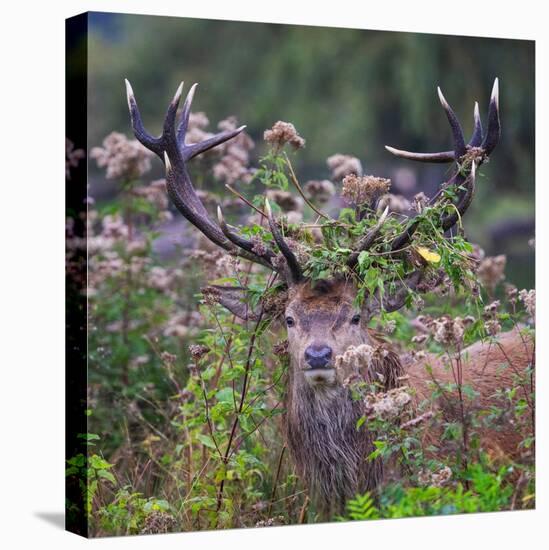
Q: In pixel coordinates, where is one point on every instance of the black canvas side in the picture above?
(76, 50)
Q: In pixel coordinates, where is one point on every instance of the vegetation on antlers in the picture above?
(383, 253)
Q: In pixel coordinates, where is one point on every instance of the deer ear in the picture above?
(233, 298)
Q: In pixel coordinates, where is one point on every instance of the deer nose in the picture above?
(318, 356)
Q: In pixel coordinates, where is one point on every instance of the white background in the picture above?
(32, 270)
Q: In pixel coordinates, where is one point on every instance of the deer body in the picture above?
(488, 367)
(329, 451)
(322, 319)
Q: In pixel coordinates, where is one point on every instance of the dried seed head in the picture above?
(282, 133)
(511, 292)
(343, 165)
(492, 327)
(491, 271)
(198, 351)
(123, 158)
(364, 190)
(491, 309)
(528, 298)
(419, 202)
(448, 331)
(319, 191)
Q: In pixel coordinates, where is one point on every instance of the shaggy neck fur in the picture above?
(329, 453)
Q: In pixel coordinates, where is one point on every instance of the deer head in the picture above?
(322, 317)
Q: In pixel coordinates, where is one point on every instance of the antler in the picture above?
(171, 148)
(467, 156)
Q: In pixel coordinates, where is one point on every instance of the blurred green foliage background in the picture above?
(347, 91)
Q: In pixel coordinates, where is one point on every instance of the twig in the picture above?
(273, 493)
(243, 198)
(303, 510)
(300, 190)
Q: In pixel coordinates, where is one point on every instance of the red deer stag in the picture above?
(322, 319)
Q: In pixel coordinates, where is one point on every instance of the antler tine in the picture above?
(294, 268)
(366, 241)
(476, 138)
(196, 148)
(444, 156)
(169, 121)
(184, 122)
(457, 132)
(494, 126)
(150, 142)
(180, 195)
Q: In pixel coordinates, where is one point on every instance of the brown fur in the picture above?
(487, 368)
(328, 451)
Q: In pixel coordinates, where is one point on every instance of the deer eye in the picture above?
(290, 321)
(355, 320)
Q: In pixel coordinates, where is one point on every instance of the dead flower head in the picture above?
(343, 165)
(364, 190)
(435, 479)
(449, 331)
(528, 298)
(282, 133)
(491, 271)
(491, 309)
(123, 158)
(319, 191)
(492, 327)
(198, 351)
(387, 406)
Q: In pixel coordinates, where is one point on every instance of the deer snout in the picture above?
(318, 356)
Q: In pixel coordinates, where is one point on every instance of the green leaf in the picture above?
(105, 474)
(206, 440)
(225, 395)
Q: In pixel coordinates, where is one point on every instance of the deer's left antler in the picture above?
(468, 158)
